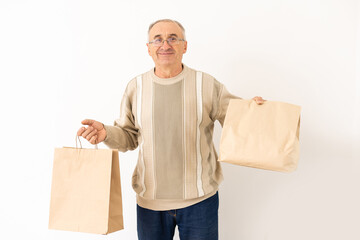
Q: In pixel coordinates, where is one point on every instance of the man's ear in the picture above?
(148, 46)
(185, 47)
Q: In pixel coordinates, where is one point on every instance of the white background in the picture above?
(64, 61)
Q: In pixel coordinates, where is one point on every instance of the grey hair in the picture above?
(168, 20)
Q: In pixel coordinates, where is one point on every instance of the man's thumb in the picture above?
(87, 122)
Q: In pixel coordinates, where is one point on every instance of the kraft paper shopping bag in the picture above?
(86, 191)
(261, 136)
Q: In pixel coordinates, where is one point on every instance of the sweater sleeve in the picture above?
(123, 134)
(223, 100)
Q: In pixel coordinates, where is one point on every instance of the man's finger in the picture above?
(87, 131)
(93, 139)
(89, 136)
(81, 131)
(258, 100)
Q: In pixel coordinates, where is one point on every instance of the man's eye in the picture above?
(158, 40)
(172, 39)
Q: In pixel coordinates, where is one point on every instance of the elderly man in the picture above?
(169, 113)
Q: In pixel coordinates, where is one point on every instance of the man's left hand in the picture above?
(258, 100)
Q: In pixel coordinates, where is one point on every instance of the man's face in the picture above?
(166, 55)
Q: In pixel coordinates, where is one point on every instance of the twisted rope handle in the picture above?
(77, 138)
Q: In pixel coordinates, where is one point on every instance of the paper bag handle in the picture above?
(77, 138)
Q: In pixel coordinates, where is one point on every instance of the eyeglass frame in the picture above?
(167, 40)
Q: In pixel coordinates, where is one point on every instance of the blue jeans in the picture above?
(196, 222)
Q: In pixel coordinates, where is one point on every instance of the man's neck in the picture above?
(168, 72)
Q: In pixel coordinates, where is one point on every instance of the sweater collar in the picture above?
(171, 80)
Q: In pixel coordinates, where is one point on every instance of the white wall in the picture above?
(63, 61)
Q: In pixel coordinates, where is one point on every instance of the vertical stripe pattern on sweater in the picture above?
(168, 140)
(139, 105)
(199, 119)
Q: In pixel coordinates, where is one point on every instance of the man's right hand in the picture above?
(95, 132)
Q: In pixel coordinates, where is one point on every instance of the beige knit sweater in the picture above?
(171, 120)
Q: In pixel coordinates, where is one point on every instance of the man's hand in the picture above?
(95, 132)
(258, 100)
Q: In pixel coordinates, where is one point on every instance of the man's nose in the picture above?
(166, 45)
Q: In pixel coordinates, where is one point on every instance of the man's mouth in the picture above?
(165, 53)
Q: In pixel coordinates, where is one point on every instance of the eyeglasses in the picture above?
(172, 41)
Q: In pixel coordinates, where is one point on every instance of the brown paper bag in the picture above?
(86, 191)
(261, 136)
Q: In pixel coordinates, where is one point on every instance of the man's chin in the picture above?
(165, 62)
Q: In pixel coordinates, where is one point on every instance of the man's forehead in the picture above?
(165, 29)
